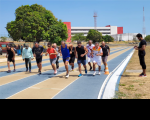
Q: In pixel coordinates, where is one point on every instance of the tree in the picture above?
(147, 38)
(35, 23)
(3, 39)
(78, 37)
(108, 38)
(94, 35)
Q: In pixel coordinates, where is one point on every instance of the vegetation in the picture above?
(3, 39)
(35, 23)
(108, 38)
(94, 35)
(78, 37)
(147, 38)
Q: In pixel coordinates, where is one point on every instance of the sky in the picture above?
(121, 13)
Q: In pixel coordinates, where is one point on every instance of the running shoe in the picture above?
(94, 74)
(14, 70)
(26, 70)
(67, 75)
(55, 72)
(9, 71)
(99, 73)
(142, 75)
(90, 68)
(80, 75)
(30, 71)
(72, 69)
(40, 72)
(86, 71)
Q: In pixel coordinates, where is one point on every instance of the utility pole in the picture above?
(95, 20)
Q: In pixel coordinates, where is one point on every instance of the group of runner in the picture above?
(95, 54)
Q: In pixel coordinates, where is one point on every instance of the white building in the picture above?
(108, 30)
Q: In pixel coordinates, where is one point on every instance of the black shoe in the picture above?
(90, 68)
(39, 70)
(40, 73)
(26, 70)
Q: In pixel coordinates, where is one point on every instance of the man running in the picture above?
(141, 49)
(53, 56)
(106, 53)
(37, 50)
(10, 57)
(80, 53)
(58, 55)
(89, 47)
(64, 49)
(27, 55)
(96, 54)
(72, 57)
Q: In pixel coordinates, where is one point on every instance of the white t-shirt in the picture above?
(89, 50)
(97, 51)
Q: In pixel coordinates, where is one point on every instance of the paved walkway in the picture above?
(22, 85)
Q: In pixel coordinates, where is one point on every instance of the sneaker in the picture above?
(14, 70)
(26, 70)
(9, 71)
(67, 75)
(55, 72)
(90, 68)
(94, 74)
(99, 73)
(40, 72)
(30, 71)
(142, 75)
(58, 68)
(86, 71)
(80, 75)
(72, 69)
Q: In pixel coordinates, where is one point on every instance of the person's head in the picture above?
(79, 44)
(139, 36)
(49, 45)
(97, 44)
(36, 44)
(103, 43)
(54, 45)
(8, 46)
(90, 42)
(26, 46)
(62, 43)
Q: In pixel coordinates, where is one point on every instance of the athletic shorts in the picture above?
(53, 61)
(98, 61)
(72, 59)
(67, 59)
(104, 59)
(82, 61)
(10, 60)
(90, 59)
(39, 60)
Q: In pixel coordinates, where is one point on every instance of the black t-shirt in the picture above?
(10, 53)
(73, 49)
(81, 51)
(105, 50)
(38, 51)
(142, 53)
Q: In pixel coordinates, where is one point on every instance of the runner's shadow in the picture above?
(128, 75)
(47, 69)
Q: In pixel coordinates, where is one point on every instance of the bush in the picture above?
(147, 38)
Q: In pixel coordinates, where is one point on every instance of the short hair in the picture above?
(79, 42)
(49, 44)
(90, 40)
(36, 43)
(139, 35)
(62, 41)
(9, 45)
(97, 43)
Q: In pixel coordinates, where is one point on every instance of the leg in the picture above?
(99, 68)
(26, 63)
(94, 66)
(66, 66)
(142, 61)
(89, 62)
(79, 65)
(57, 62)
(14, 65)
(30, 63)
(8, 64)
(53, 66)
(40, 66)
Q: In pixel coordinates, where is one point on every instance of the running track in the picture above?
(21, 85)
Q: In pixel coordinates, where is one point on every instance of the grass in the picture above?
(131, 85)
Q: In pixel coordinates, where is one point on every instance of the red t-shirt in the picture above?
(52, 50)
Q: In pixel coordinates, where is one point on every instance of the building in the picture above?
(107, 30)
(125, 37)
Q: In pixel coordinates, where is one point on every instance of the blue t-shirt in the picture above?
(65, 52)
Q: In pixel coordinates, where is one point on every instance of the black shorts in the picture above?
(39, 60)
(10, 60)
(72, 59)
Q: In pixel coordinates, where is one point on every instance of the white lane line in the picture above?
(109, 91)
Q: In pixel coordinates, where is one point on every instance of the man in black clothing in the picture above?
(106, 52)
(37, 51)
(10, 57)
(72, 57)
(141, 49)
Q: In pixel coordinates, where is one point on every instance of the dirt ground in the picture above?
(131, 86)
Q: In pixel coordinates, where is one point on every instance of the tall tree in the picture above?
(94, 35)
(35, 23)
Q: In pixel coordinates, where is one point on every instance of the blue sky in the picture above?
(124, 13)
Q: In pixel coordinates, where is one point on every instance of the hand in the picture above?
(23, 59)
(136, 48)
(34, 55)
(32, 59)
(6, 56)
(82, 55)
(70, 52)
(97, 55)
(76, 56)
(41, 54)
(13, 58)
(51, 54)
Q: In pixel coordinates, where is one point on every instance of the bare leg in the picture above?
(53, 66)
(99, 68)
(66, 66)
(94, 66)
(79, 65)
(84, 66)
(14, 65)
(90, 64)
(144, 71)
(40, 66)
(8, 64)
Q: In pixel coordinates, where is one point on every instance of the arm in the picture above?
(109, 51)
(13, 53)
(70, 45)
(142, 49)
(55, 52)
(86, 51)
(7, 55)
(75, 52)
(23, 54)
(42, 51)
(101, 53)
(59, 49)
(31, 54)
